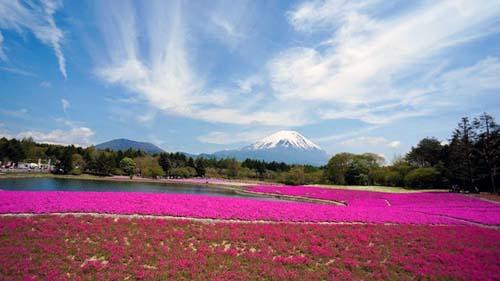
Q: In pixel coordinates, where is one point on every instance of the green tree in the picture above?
(337, 167)
(423, 178)
(165, 163)
(105, 163)
(488, 146)
(461, 155)
(65, 163)
(15, 152)
(183, 172)
(200, 166)
(128, 166)
(232, 168)
(357, 172)
(427, 153)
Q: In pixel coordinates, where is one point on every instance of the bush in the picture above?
(76, 171)
(423, 178)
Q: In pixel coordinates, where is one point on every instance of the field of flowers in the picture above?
(417, 210)
(432, 204)
(51, 247)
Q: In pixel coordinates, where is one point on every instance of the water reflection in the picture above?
(94, 185)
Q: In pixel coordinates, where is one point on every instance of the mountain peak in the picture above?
(124, 144)
(288, 139)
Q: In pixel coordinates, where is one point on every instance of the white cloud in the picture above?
(164, 74)
(358, 70)
(367, 65)
(224, 138)
(80, 136)
(248, 84)
(65, 104)
(16, 71)
(345, 135)
(45, 84)
(227, 28)
(311, 15)
(364, 141)
(2, 53)
(15, 113)
(38, 18)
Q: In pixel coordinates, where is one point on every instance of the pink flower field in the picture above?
(456, 207)
(367, 207)
(91, 248)
(430, 236)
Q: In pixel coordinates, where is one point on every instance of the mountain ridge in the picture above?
(124, 144)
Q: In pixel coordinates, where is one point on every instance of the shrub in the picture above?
(76, 171)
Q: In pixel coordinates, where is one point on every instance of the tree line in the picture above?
(469, 161)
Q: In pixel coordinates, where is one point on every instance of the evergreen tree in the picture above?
(488, 146)
(461, 154)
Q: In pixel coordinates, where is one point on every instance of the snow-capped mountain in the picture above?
(289, 139)
(283, 146)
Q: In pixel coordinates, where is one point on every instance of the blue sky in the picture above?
(201, 76)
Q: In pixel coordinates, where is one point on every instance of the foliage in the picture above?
(295, 176)
(149, 167)
(183, 172)
(128, 166)
(423, 178)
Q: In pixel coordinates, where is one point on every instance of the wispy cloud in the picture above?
(224, 138)
(228, 29)
(370, 67)
(16, 71)
(164, 73)
(15, 113)
(360, 63)
(2, 53)
(65, 104)
(45, 84)
(370, 141)
(38, 18)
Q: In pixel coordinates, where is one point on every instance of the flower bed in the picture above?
(201, 206)
(90, 248)
(441, 204)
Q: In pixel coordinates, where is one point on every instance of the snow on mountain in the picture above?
(289, 139)
(283, 146)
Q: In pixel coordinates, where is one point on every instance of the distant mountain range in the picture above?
(124, 144)
(283, 146)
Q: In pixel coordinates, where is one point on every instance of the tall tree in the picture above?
(199, 164)
(461, 154)
(488, 144)
(427, 153)
(165, 163)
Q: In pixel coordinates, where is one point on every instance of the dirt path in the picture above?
(235, 221)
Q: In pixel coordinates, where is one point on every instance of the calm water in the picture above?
(93, 185)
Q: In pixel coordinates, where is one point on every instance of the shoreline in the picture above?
(225, 184)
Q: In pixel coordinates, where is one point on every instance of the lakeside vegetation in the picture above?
(469, 161)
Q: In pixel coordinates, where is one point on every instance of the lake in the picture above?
(96, 185)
